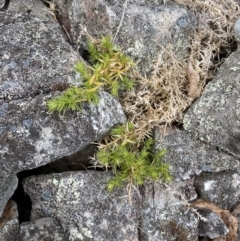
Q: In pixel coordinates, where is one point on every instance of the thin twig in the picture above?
(67, 33)
(121, 21)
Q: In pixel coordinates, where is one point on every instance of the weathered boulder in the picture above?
(35, 8)
(87, 212)
(35, 59)
(215, 116)
(75, 162)
(189, 156)
(165, 215)
(145, 25)
(213, 226)
(9, 224)
(46, 137)
(2, 3)
(83, 209)
(36, 62)
(7, 188)
(42, 229)
(221, 188)
(237, 31)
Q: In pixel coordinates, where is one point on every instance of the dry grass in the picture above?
(174, 84)
(161, 98)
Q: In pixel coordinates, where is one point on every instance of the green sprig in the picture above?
(129, 164)
(108, 71)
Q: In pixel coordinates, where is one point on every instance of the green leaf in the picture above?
(82, 70)
(92, 51)
(114, 88)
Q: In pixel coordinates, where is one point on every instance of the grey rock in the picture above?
(83, 209)
(237, 30)
(48, 137)
(35, 59)
(214, 227)
(222, 188)
(7, 188)
(9, 224)
(144, 27)
(35, 8)
(165, 215)
(77, 161)
(215, 116)
(188, 156)
(2, 3)
(36, 62)
(42, 229)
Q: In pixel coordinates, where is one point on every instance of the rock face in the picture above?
(164, 212)
(36, 62)
(81, 207)
(215, 117)
(42, 229)
(213, 227)
(2, 3)
(34, 59)
(189, 156)
(88, 212)
(145, 25)
(9, 225)
(237, 31)
(7, 188)
(32, 69)
(35, 8)
(220, 188)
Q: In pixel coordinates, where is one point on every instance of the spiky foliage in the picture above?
(128, 163)
(120, 150)
(108, 71)
(167, 92)
(72, 99)
(214, 34)
(110, 66)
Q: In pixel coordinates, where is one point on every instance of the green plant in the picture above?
(108, 71)
(72, 99)
(121, 151)
(128, 163)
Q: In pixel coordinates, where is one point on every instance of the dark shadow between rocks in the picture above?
(79, 161)
(23, 202)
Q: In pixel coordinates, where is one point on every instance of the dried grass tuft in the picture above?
(174, 84)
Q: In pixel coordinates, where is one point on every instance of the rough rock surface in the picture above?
(34, 58)
(144, 26)
(215, 116)
(165, 215)
(35, 8)
(77, 161)
(46, 137)
(82, 208)
(42, 229)
(9, 224)
(220, 188)
(237, 31)
(35, 62)
(189, 156)
(87, 212)
(2, 3)
(7, 188)
(213, 227)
